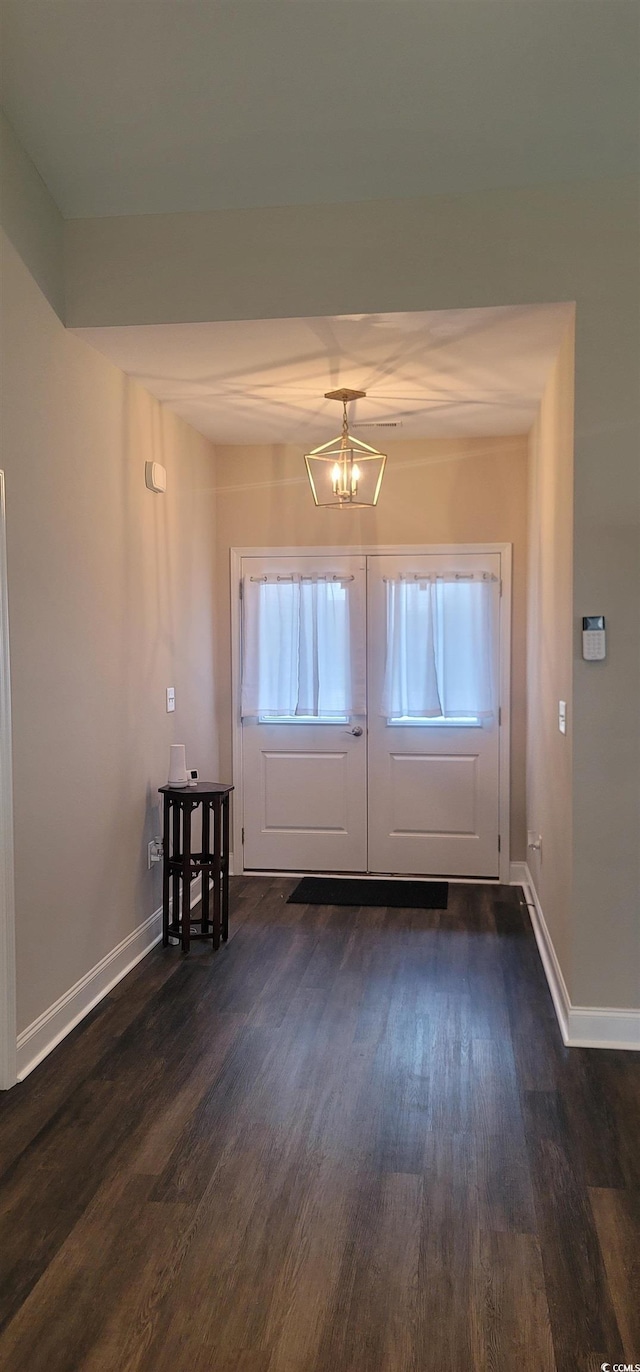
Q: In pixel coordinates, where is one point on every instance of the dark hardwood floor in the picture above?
(350, 1141)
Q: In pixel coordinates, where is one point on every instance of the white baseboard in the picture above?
(53, 1025)
(581, 1026)
(591, 1027)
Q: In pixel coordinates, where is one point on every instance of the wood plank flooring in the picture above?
(350, 1141)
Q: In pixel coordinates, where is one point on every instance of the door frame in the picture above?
(505, 550)
(7, 895)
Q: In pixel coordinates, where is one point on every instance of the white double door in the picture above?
(372, 789)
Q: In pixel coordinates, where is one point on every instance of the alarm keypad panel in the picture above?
(594, 647)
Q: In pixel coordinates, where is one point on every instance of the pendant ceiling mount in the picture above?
(345, 471)
(345, 395)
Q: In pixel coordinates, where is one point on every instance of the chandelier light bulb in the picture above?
(345, 471)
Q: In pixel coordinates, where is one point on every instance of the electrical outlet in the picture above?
(562, 716)
(171, 699)
(154, 852)
(534, 841)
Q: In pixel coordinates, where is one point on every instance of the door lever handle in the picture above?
(357, 732)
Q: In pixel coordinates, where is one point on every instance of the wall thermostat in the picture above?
(594, 647)
(155, 476)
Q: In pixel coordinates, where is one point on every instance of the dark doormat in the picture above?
(405, 895)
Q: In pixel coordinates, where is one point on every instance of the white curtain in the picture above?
(297, 649)
(440, 648)
(410, 683)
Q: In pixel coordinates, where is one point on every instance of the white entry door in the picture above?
(370, 713)
(304, 713)
(433, 667)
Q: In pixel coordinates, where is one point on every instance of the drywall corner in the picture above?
(550, 652)
(31, 219)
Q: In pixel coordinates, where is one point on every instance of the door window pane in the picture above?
(439, 650)
(297, 658)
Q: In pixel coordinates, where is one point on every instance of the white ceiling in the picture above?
(441, 373)
(145, 106)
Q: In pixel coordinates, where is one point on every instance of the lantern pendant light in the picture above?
(345, 471)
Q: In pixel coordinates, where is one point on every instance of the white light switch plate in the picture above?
(562, 716)
(171, 699)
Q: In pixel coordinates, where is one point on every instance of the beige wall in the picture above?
(499, 247)
(550, 651)
(606, 575)
(110, 601)
(435, 491)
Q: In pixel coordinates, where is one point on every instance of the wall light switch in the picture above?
(562, 716)
(171, 699)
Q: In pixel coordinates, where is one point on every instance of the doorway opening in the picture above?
(371, 692)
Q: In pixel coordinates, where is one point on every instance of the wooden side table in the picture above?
(181, 866)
